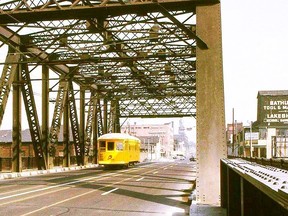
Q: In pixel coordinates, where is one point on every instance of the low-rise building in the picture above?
(156, 139)
(268, 136)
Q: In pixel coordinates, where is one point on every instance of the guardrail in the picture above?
(274, 162)
(249, 188)
(30, 162)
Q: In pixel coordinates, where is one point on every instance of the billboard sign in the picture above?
(273, 110)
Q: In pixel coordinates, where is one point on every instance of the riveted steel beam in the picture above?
(45, 111)
(57, 116)
(7, 77)
(32, 117)
(211, 138)
(78, 142)
(82, 10)
(89, 124)
(16, 132)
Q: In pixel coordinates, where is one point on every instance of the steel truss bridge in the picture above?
(103, 60)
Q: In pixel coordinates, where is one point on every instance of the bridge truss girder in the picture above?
(137, 57)
(140, 54)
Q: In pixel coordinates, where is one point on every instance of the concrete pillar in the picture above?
(211, 138)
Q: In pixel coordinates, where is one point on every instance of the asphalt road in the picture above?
(146, 189)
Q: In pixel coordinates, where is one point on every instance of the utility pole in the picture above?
(251, 140)
(233, 132)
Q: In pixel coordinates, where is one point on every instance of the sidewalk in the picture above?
(206, 210)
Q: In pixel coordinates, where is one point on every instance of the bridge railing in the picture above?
(281, 163)
(30, 162)
(254, 186)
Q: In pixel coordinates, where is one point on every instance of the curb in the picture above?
(41, 172)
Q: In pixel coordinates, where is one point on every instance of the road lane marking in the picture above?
(139, 179)
(83, 181)
(75, 197)
(103, 194)
(22, 189)
(80, 195)
(54, 186)
(54, 204)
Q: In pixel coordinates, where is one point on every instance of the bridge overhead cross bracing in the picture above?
(140, 53)
(134, 58)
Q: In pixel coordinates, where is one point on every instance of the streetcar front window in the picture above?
(102, 145)
(110, 146)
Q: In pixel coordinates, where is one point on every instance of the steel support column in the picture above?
(32, 117)
(75, 125)
(60, 102)
(116, 120)
(90, 127)
(82, 123)
(66, 136)
(105, 116)
(16, 131)
(97, 130)
(211, 140)
(45, 111)
(94, 142)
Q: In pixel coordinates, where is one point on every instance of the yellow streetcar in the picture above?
(118, 149)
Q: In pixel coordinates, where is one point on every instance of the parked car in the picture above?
(192, 159)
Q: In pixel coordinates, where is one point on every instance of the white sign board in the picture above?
(253, 136)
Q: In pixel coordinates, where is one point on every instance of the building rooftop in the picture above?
(6, 136)
(273, 92)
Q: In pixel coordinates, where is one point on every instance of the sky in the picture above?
(255, 42)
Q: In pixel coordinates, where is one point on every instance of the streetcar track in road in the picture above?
(86, 193)
(49, 192)
(84, 181)
(74, 197)
(68, 185)
(54, 185)
(71, 184)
